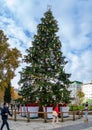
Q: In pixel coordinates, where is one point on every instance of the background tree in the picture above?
(81, 96)
(1, 96)
(7, 94)
(9, 61)
(45, 76)
(14, 94)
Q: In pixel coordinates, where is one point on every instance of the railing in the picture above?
(18, 115)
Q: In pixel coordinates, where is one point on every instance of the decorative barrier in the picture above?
(30, 109)
(66, 110)
(23, 111)
(48, 109)
(34, 109)
(62, 109)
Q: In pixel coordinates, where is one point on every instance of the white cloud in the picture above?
(80, 66)
(10, 3)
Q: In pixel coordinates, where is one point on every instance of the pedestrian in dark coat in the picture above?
(4, 114)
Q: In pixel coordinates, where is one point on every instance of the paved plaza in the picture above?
(78, 124)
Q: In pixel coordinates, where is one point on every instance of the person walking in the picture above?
(18, 107)
(86, 111)
(55, 114)
(4, 114)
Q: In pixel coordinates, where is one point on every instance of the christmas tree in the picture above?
(44, 77)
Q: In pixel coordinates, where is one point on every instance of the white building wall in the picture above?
(87, 89)
(74, 87)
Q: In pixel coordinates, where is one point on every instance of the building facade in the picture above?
(73, 88)
(87, 89)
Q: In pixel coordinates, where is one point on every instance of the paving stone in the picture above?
(78, 124)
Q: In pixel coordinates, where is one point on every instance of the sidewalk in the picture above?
(39, 125)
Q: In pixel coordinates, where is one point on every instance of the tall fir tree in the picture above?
(44, 76)
(7, 94)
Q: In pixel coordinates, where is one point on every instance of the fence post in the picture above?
(15, 115)
(73, 115)
(45, 117)
(82, 113)
(28, 116)
(79, 114)
(62, 119)
(12, 111)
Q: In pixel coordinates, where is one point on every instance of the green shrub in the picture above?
(90, 107)
(76, 107)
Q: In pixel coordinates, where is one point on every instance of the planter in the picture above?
(33, 109)
(65, 109)
(23, 111)
(48, 109)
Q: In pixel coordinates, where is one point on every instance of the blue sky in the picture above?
(19, 19)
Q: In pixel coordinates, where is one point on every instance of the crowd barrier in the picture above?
(18, 115)
(35, 109)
